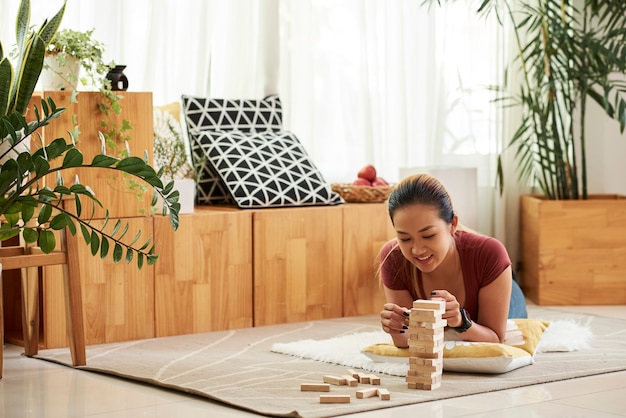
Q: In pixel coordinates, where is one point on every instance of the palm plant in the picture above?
(568, 52)
(28, 205)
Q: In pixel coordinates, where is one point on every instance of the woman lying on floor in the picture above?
(434, 256)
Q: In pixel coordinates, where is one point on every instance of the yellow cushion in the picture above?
(518, 349)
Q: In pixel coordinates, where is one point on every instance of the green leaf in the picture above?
(47, 242)
(139, 261)
(95, 243)
(44, 214)
(104, 247)
(118, 252)
(129, 255)
(30, 235)
(86, 234)
(101, 160)
(27, 213)
(73, 158)
(151, 259)
(60, 221)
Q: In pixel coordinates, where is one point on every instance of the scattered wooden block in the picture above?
(335, 380)
(384, 394)
(363, 378)
(314, 387)
(366, 393)
(334, 398)
(351, 381)
(374, 380)
(353, 373)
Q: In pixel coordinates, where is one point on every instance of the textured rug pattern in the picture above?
(238, 368)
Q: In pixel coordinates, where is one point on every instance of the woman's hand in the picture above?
(453, 308)
(394, 318)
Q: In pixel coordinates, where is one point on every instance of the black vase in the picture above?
(118, 79)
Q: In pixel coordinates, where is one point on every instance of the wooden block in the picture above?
(353, 373)
(384, 394)
(335, 380)
(366, 393)
(374, 380)
(424, 386)
(428, 325)
(334, 398)
(424, 380)
(437, 355)
(363, 378)
(419, 331)
(415, 369)
(314, 387)
(351, 381)
(424, 315)
(426, 361)
(436, 305)
(417, 349)
(414, 342)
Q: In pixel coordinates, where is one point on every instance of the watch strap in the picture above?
(467, 322)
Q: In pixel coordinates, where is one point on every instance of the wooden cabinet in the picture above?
(117, 191)
(118, 298)
(226, 268)
(366, 227)
(297, 264)
(203, 277)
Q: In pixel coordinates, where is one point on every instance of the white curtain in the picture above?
(392, 83)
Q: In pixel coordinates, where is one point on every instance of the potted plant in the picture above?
(24, 197)
(171, 158)
(568, 53)
(75, 59)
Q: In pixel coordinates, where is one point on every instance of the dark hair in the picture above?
(423, 189)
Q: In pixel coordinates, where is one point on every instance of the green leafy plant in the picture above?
(82, 46)
(568, 52)
(27, 204)
(170, 152)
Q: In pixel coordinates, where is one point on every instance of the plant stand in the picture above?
(574, 251)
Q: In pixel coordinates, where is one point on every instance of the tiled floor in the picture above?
(32, 388)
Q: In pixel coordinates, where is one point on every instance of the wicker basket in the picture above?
(362, 194)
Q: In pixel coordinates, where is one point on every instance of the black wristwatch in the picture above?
(467, 322)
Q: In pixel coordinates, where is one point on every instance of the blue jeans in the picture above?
(517, 307)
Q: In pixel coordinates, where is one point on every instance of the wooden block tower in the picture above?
(426, 328)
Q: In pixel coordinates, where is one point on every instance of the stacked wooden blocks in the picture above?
(426, 328)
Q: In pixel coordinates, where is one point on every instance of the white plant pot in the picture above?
(187, 190)
(13, 154)
(60, 76)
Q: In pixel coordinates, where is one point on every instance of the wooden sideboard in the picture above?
(227, 268)
(224, 268)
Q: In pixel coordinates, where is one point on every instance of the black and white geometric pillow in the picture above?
(262, 170)
(264, 115)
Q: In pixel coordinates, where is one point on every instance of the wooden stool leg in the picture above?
(1, 325)
(73, 300)
(30, 310)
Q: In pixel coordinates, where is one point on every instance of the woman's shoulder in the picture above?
(474, 241)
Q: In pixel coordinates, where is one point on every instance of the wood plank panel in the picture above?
(366, 228)
(574, 252)
(120, 193)
(297, 264)
(118, 299)
(203, 278)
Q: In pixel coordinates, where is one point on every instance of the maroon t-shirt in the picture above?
(483, 259)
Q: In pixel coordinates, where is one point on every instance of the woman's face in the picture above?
(424, 238)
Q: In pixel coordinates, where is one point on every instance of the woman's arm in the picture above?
(493, 310)
(394, 316)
